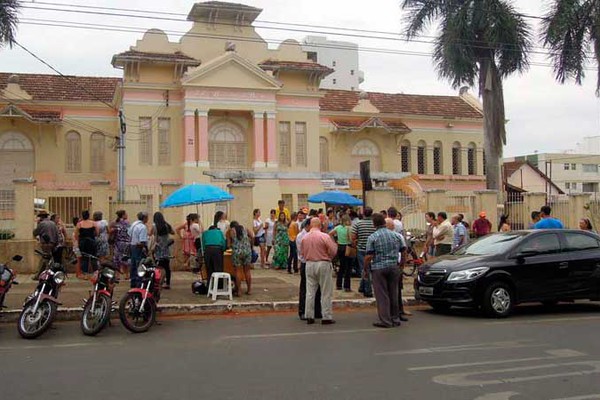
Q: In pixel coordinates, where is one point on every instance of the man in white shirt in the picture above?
(395, 215)
(138, 232)
(443, 235)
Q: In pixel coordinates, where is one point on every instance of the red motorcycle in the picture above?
(7, 279)
(137, 309)
(98, 307)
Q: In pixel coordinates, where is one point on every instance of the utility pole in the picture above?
(121, 156)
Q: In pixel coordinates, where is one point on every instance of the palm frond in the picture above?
(9, 17)
(420, 13)
(509, 36)
(566, 28)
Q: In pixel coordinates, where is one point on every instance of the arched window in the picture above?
(405, 156)
(472, 158)
(227, 147)
(438, 161)
(324, 154)
(456, 159)
(422, 158)
(73, 152)
(97, 152)
(366, 150)
(16, 158)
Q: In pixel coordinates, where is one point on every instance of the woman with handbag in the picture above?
(345, 253)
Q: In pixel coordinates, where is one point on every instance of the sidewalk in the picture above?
(271, 290)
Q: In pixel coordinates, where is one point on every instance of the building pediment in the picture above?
(356, 125)
(31, 115)
(230, 71)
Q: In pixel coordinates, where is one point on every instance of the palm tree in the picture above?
(9, 10)
(478, 42)
(570, 27)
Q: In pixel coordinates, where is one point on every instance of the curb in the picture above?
(220, 307)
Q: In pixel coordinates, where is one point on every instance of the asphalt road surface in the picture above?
(536, 354)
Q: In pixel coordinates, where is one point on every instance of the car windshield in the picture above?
(490, 245)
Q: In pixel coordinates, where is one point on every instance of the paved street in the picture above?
(534, 355)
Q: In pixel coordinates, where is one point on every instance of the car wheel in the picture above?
(498, 300)
(440, 307)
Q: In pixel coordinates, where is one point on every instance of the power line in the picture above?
(129, 29)
(64, 76)
(397, 36)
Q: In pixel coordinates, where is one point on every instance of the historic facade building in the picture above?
(220, 101)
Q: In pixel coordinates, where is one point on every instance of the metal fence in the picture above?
(512, 206)
(411, 208)
(68, 207)
(7, 211)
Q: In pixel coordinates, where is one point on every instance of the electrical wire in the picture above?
(397, 36)
(116, 28)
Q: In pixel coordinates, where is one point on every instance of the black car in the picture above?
(501, 270)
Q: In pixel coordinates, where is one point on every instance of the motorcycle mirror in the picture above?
(17, 258)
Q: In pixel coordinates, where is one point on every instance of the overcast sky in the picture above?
(544, 115)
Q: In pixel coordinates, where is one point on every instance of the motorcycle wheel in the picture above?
(130, 315)
(31, 325)
(93, 321)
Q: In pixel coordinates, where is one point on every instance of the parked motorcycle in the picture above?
(39, 309)
(7, 279)
(137, 309)
(98, 307)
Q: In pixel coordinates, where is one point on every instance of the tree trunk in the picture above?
(494, 134)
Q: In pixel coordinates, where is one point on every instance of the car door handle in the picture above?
(563, 265)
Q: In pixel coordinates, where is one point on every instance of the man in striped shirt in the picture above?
(360, 234)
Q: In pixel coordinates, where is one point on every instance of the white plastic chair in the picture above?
(213, 285)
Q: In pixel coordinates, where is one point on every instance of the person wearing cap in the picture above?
(482, 226)
(47, 234)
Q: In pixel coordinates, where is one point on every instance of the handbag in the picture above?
(350, 252)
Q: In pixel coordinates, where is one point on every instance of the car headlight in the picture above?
(59, 277)
(467, 274)
(141, 271)
(109, 273)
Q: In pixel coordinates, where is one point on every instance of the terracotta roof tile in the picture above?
(271, 65)
(405, 104)
(176, 57)
(57, 88)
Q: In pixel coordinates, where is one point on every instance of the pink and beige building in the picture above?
(219, 101)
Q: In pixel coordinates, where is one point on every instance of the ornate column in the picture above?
(429, 159)
(189, 145)
(464, 160)
(414, 159)
(203, 138)
(259, 140)
(479, 157)
(272, 156)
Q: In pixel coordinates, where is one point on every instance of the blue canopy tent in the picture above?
(196, 194)
(335, 198)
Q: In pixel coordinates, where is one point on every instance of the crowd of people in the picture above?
(370, 246)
